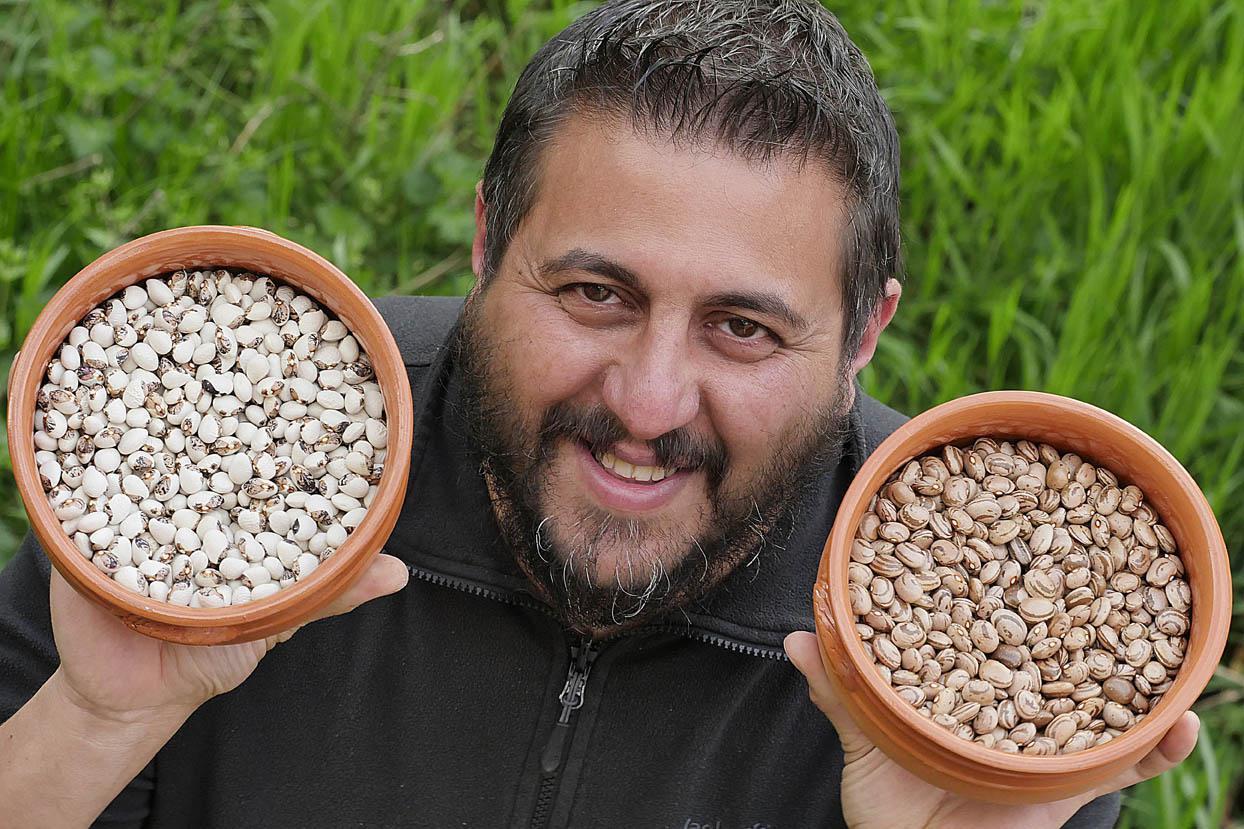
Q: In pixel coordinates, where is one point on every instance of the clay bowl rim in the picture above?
(78, 295)
(836, 612)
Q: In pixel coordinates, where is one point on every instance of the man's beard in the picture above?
(560, 560)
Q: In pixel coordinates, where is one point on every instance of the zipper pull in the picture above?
(581, 658)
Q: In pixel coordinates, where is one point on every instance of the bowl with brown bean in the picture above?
(1020, 594)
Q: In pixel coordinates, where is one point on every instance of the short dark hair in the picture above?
(763, 78)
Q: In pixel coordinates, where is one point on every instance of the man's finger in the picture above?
(1172, 750)
(804, 652)
(277, 638)
(386, 574)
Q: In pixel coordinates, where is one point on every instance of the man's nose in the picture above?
(652, 387)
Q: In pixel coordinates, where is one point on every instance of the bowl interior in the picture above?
(263, 253)
(1103, 439)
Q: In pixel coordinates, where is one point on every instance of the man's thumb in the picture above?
(386, 574)
(805, 654)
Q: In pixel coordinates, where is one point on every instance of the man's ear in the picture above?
(882, 314)
(477, 246)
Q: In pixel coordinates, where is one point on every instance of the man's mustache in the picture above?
(600, 429)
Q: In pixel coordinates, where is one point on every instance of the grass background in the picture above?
(1072, 197)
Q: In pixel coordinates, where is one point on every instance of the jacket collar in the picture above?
(447, 534)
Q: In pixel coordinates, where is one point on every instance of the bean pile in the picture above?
(1018, 596)
(209, 438)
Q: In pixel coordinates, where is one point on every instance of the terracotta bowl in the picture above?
(961, 766)
(226, 247)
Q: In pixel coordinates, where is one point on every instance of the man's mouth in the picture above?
(624, 486)
(630, 471)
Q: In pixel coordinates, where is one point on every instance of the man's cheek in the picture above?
(560, 360)
(538, 388)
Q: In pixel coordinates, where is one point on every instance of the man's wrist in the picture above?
(58, 742)
(112, 724)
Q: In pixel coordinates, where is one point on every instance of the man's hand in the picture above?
(111, 671)
(877, 792)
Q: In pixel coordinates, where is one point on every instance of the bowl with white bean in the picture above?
(210, 429)
(1020, 595)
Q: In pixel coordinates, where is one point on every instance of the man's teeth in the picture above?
(635, 472)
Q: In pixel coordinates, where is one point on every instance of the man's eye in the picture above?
(745, 329)
(595, 293)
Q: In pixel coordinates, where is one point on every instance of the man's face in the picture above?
(656, 367)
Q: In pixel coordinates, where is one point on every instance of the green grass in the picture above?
(1073, 208)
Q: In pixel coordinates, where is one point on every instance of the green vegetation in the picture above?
(1073, 197)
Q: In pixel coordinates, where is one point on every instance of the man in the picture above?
(629, 450)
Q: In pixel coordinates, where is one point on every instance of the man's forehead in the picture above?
(712, 219)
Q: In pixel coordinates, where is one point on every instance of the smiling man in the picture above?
(660, 374)
(631, 442)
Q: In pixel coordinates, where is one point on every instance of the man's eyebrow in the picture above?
(761, 303)
(581, 259)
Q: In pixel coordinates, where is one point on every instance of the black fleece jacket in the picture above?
(453, 702)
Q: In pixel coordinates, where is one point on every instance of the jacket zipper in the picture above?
(582, 655)
(521, 601)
